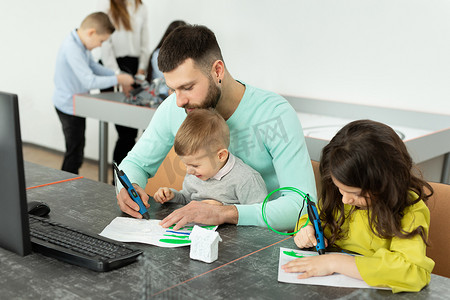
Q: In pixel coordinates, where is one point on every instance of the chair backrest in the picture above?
(170, 174)
(315, 165)
(439, 234)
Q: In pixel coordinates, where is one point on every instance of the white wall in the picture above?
(390, 53)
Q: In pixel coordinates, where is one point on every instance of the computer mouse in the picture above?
(38, 208)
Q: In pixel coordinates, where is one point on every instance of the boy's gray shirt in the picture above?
(241, 185)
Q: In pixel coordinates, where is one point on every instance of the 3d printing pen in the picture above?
(314, 218)
(131, 191)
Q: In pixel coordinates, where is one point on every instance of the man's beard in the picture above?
(212, 98)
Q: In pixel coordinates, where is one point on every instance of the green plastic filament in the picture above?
(293, 189)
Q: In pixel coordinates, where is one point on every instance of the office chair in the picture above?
(315, 166)
(171, 173)
(439, 234)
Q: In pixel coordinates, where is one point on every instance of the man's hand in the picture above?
(212, 202)
(203, 213)
(163, 195)
(128, 206)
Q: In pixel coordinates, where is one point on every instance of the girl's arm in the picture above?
(323, 265)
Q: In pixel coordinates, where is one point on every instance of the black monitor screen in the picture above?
(14, 229)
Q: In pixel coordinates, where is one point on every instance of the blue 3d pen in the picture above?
(314, 218)
(131, 191)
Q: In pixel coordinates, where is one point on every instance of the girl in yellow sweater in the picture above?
(371, 203)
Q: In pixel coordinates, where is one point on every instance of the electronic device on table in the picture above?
(21, 232)
(147, 94)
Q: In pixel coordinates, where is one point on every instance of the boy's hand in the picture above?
(163, 195)
(125, 79)
(126, 89)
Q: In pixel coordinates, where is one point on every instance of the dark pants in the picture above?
(74, 129)
(125, 141)
(127, 135)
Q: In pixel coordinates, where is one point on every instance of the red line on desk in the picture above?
(70, 179)
(237, 259)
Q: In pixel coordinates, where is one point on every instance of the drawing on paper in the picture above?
(149, 232)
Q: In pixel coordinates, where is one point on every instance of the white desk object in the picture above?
(426, 135)
(204, 244)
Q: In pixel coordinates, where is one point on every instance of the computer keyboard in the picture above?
(79, 248)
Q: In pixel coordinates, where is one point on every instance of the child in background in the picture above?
(75, 73)
(372, 204)
(214, 175)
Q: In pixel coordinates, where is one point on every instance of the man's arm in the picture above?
(143, 160)
(199, 212)
(292, 164)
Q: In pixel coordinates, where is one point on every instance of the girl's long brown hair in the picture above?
(370, 156)
(119, 13)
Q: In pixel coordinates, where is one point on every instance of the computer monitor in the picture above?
(14, 227)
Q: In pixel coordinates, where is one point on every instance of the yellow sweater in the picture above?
(400, 264)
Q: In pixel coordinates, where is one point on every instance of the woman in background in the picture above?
(126, 51)
(153, 71)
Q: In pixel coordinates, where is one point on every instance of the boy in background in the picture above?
(76, 72)
(214, 175)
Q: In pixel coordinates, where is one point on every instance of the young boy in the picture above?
(214, 175)
(76, 72)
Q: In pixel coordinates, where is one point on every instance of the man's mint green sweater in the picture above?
(265, 133)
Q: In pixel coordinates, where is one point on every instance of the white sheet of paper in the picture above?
(148, 232)
(337, 280)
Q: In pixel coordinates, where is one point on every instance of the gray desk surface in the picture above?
(246, 269)
(111, 107)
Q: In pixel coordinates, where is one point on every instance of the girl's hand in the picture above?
(310, 266)
(306, 238)
(322, 265)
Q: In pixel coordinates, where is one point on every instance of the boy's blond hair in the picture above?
(202, 129)
(100, 22)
